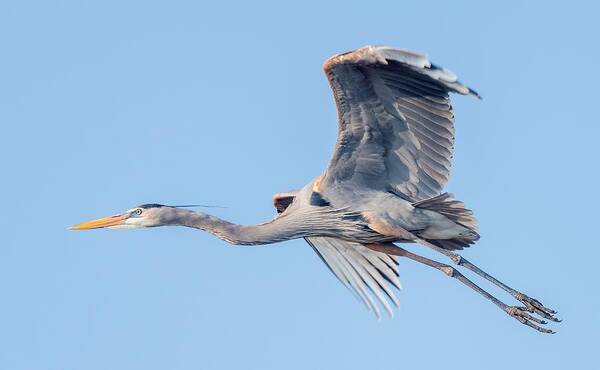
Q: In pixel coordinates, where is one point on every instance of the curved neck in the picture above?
(273, 231)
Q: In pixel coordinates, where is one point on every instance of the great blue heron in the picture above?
(382, 186)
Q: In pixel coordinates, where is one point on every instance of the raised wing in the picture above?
(396, 125)
(365, 272)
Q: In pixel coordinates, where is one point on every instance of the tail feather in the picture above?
(453, 244)
(456, 211)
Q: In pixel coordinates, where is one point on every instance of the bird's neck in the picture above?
(266, 233)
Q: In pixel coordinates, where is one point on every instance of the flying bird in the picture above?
(382, 186)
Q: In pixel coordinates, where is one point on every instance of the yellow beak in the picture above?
(99, 223)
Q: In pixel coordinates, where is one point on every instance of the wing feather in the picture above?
(354, 279)
(396, 123)
(365, 272)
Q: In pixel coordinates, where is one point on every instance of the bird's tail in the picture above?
(456, 211)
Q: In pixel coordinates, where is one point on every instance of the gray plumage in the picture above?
(383, 184)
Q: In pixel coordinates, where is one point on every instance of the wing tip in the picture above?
(474, 93)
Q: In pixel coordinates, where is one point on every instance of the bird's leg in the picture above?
(518, 313)
(530, 304)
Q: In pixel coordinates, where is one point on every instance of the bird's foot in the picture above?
(520, 313)
(534, 306)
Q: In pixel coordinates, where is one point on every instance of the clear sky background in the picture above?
(106, 105)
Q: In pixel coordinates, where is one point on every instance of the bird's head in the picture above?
(146, 215)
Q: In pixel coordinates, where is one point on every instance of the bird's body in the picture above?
(358, 208)
(383, 184)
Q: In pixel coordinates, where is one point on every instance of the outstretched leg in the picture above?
(518, 313)
(531, 304)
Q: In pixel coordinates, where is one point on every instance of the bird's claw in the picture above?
(534, 306)
(520, 313)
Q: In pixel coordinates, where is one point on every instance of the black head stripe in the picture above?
(151, 205)
(156, 205)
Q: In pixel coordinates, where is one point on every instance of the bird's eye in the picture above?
(138, 211)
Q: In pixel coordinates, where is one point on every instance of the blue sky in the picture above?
(106, 105)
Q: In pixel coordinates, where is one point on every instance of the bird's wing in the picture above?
(365, 272)
(396, 125)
